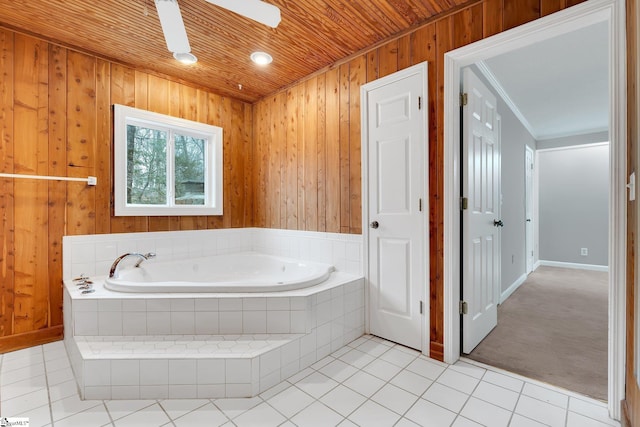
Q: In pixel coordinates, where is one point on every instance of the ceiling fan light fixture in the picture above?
(172, 26)
(186, 58)
(261, 58)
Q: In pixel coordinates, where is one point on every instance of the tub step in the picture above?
(186, 366)
(181, 346)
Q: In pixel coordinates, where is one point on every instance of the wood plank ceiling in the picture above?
(313, 34)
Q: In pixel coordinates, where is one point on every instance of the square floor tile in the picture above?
(22, 404)
(207, 415)
(446, 397)
(364, 383)
(437, 415)
(394, 398)
(176, 408)
(398, 357)
(121, 408)
(518, 420)
(543, 412)
(485, 413)
(458, 381)
(382, 369)
(96, 416)
(505, 381)
(39, 417)
(373, 414)
(546, 395)
(465, 422)
(499, 396)
(23, 387)
(235, 407)
(343, 400)
(373, 348)
(411, 382)
(338, 370)
(290, 401)
(469, 369)
(21, 374)
(60, 376)
(316, 384)
(317, 415)
(404, 422)
(596, 410)
(261, 415)
(150, 416)
(357, 358)
(62, 390)
(577, 420)
(71, 406)
(426, 368)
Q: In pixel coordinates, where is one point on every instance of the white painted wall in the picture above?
(573, 205)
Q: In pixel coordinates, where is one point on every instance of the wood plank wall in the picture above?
(55, 119)
(307, 137)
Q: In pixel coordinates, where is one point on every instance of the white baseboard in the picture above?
(511, 289)
(574, 265)
(536, 265)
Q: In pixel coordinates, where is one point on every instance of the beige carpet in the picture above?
(554, 329)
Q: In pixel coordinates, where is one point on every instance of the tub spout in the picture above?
(113, 272)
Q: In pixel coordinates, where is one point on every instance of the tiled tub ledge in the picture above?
(153, 346)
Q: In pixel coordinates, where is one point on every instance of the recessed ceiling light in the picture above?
(185, 57)
(261, 58)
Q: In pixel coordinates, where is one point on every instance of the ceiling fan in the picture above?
(176, 36)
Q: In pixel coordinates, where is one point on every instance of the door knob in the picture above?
(374, 224)
(528, 219)
(498, 223)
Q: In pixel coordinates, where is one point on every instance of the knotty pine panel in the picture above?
(57, 167)
(31, 282)
(7, 237)
(336, 119)
(56, 119)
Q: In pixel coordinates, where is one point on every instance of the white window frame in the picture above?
(212, 135)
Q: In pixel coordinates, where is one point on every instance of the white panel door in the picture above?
(529, 209)
(481, 222)
(396, 141)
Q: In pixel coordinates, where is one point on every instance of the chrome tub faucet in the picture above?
(113, 272)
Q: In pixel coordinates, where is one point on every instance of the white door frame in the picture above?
(567, 20)
(421, 69)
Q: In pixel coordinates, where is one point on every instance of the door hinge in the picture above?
(419, 103)
(463, 307)
(464, 202)
(463, 99)
(421, 307)
(420, 205)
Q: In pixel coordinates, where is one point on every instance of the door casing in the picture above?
(567, 20)
(421, 69)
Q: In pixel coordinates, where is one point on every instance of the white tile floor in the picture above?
(370, 382)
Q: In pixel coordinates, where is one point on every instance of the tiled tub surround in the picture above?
(93, 254)
(125, 346)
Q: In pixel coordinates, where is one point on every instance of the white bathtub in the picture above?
(240, 272)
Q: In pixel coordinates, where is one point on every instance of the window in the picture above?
(165, 165)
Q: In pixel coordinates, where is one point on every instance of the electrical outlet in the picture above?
(584, 251)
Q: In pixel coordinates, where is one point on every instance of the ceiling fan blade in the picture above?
(257, 10)
(173, 26)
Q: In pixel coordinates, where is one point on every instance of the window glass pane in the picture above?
(146, 166)
(190, 165)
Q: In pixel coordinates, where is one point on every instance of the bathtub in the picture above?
(239, 272)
